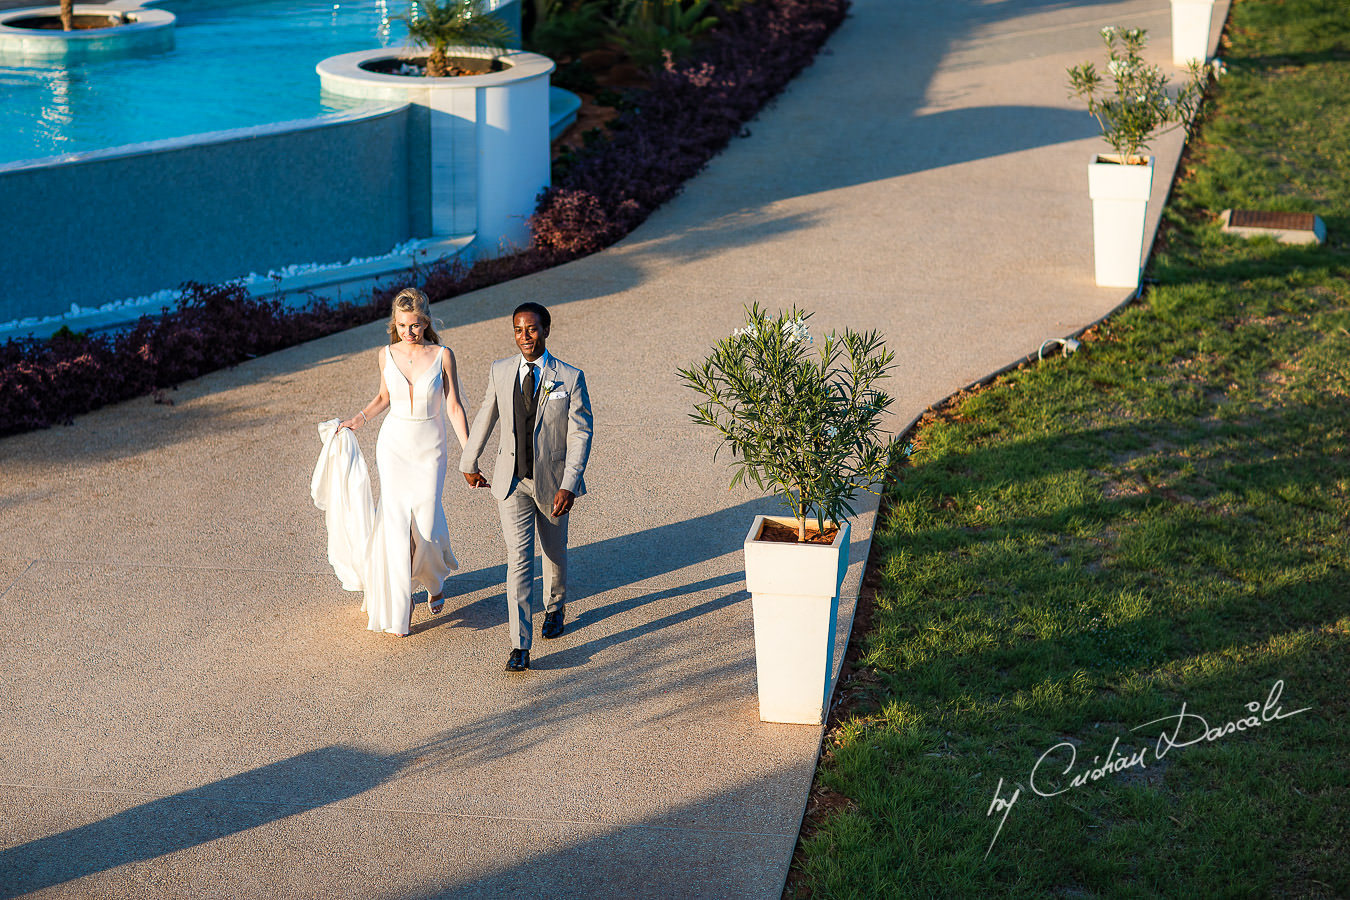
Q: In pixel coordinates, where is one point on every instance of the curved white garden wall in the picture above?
(133, 220)
(145, 31)
(480, 143)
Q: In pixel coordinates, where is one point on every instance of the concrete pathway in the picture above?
(192, 706)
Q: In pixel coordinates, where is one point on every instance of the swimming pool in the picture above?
(122, 178)
(233, 65)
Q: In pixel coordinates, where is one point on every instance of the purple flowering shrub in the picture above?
(664, 136)
(43, 382)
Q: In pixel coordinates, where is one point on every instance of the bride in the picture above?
(420, 388)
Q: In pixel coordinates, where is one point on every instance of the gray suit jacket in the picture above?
(562, 430)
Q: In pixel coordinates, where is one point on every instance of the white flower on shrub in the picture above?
(797, 332)
(1132, 103)
(803, 422)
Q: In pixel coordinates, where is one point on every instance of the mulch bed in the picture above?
(787, 534)
(455, 65)
(77, 23)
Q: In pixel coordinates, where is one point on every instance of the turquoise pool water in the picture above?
(233, 65)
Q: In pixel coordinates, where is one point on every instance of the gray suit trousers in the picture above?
(521, 519)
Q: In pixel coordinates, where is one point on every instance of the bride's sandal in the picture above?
(436, 604)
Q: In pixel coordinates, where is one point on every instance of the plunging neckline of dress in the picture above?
(436, 358)
(412, 382)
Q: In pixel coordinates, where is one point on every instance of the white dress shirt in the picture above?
(538, 372)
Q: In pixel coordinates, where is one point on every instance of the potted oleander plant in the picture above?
(804, 422)
(1133, 105)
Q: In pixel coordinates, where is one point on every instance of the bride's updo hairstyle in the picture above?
(414, 301)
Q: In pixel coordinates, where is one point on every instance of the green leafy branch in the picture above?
(804, 427)
(1137, 106)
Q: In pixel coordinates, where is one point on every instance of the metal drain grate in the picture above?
(1282, 221)
(1286, 227)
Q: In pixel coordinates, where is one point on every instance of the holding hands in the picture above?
(562, 501)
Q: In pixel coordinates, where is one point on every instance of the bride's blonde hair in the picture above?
(414, 301)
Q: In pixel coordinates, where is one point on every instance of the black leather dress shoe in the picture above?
(553, 623)
(519, 661)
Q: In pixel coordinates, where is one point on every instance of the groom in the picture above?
(545, 441)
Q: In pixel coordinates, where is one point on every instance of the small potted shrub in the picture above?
(1133, 107)
(806, 427)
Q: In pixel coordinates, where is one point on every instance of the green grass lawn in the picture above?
(1090, 544)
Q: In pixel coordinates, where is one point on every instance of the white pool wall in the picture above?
(136, 219)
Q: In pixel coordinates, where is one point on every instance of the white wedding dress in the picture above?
(410, 457)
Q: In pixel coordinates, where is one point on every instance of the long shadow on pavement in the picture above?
(624, 561)
(266, 794)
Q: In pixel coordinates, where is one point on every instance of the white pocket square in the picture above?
(555, 395)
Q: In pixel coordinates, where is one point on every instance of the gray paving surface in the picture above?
(191, 705)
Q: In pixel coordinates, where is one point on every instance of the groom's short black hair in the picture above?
(530, 306)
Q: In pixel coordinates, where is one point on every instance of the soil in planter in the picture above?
(787, 534)
(78, 23)
(457, 65)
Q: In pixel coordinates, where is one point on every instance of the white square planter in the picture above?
(1119, 209)
(794, 590)
(1190, 30)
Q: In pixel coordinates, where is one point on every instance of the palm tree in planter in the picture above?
(454, 23)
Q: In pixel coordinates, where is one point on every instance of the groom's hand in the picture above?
(476, 479)
(562, 503)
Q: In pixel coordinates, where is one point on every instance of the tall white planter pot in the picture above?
(482, 141)
(1190, 30)
(794, 590)
(1119, 211)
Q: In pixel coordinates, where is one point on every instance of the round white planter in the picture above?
(146, 31)
(484, 138)
(794, 591)
(1119, 208)
(1190, 30)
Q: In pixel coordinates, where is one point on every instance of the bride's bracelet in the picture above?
(362, 414)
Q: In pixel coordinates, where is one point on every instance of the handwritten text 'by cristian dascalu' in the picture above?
(1190, 729)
